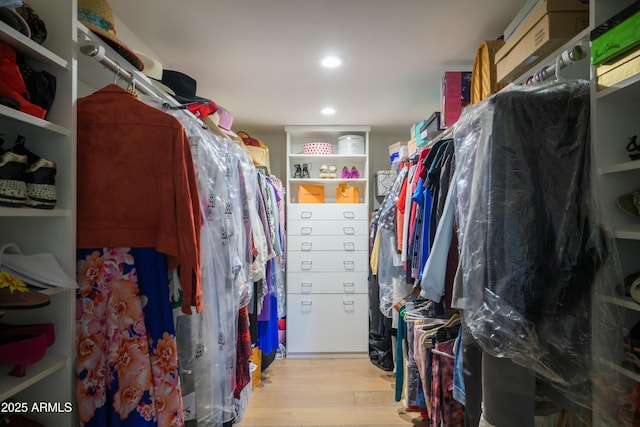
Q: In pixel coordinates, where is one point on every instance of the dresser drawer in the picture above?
(313, 262)
(327, 283)
(328, 211)
(328, 228)
(328, 243)
(327, 323)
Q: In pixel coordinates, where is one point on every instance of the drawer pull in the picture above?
(305, 287)
(306, 265)
(306, 302)
(306, 231)
(349, 246)
(306, 246)
(349, 287)
(305, 214)
(349, 302)
(349, 214)
(349, 230)
(349, 265)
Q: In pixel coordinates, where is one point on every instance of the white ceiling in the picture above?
(260, 58)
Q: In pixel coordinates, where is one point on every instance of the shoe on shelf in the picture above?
(22, 350)
(305, 171)
(298, 172)
(40, 176)
(345, 173)
(29, 329)
(355, 173)
(13, 188)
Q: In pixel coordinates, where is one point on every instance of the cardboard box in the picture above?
(309, 193)
(455, 95)
(546, 29)
(608, 75)
(531, 6)
(547, 35)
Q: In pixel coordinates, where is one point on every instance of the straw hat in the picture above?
(99, 18)
(153, 69)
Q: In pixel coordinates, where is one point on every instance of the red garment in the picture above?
(137, 185)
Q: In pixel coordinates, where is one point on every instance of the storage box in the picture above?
(317, 148)
(608, 75)
(430, 129)
(351, 144)
(455, 95)
(547, 28)
(309, 193)
(616, 41)
(531, 6)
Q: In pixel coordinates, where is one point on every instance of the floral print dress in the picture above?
(127, 365)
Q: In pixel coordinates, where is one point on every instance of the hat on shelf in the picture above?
(183, 86)
(99, 18)
(221, 119)
(630, 203)
(36, 24)
(12, 18)
(153, 69)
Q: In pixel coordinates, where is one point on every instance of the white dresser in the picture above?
(327, 253)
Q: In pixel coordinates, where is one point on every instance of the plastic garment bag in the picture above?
(531, 244)
(390, 267)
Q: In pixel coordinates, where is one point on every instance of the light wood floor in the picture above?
(326, 392)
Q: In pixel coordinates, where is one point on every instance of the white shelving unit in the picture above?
(614, 120)
(327, 251)
(33, 230)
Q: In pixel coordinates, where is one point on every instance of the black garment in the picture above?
(534, 246)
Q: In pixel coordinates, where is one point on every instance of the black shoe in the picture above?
(305, 171)
(40, 176)
(298, 172)
(13, 188)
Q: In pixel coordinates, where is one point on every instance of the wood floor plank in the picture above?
(326, 393)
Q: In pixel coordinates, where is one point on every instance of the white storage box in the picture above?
(351, 144)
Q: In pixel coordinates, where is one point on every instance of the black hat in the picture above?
(183, 85)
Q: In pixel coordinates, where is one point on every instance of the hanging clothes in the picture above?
(127, 365)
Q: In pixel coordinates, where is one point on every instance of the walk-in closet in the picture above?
(272, 213)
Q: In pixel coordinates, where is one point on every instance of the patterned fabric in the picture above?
(127, 364)
(446, 411)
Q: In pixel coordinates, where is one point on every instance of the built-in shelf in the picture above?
(28, 47)
(620, 167)
(9, 385)
(33, 120)
(627, 302)
(620, 369)
(326, 180)
(629, 232)
(340, 157)
(33, 212)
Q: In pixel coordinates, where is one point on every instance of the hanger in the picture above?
(453, 320)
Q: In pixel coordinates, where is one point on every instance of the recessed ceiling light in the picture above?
(331, 61)
(327, 111)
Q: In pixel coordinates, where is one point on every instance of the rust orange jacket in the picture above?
(136, 184)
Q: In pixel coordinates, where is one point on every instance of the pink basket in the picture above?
(317, 148)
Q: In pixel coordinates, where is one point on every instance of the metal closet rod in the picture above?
(563, 60)
(97, 52)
